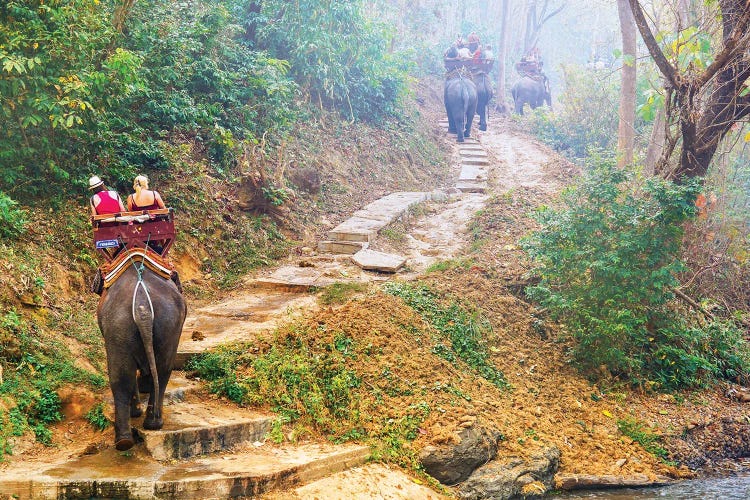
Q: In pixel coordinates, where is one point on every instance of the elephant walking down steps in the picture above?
(460, 104)
(140, 316)
(532, 91)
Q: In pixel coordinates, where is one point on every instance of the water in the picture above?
(724, 488)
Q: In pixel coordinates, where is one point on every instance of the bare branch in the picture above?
(653, 47)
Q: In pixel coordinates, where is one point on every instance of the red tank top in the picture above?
(109, 202)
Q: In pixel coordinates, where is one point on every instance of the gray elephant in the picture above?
(140, 316)
(484, 95)
(460, 105)
(532, 91)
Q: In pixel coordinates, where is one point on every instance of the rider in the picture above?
(103, 201)
(144, 198)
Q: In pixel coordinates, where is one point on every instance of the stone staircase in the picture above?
(209, 449)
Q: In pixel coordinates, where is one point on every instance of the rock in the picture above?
(451, 464)
(511, 477)
(587, 481)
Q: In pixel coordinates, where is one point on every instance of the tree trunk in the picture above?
(121, 14)
(626, 128)
(502, 56)
(656, 143)
(710, 101)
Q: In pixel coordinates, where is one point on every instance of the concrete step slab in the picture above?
(247, 474)
(372, 260)
(472, 186)
(471, 152)
(472, 173)
(238, 319)
(178, 388)
(474, 161)
(192, 429)
(364, 225)
(341, 247)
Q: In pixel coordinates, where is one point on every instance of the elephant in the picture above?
(140, 316)
(529, 90)
(484, 95)
(460, 105)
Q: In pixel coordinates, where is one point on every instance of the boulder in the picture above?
(453, 463)
(511, 477)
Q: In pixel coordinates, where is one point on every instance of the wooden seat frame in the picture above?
(112, 232)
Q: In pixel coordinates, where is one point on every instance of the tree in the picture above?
(706, 91)
(502, 55)
(626, 128)
(538, 12)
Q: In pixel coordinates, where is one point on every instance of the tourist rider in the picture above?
(104, 201)
(144, 198)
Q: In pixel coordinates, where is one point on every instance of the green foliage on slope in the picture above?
(608, 262)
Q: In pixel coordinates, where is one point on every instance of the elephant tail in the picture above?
(143, 315)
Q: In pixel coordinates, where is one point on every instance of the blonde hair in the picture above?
(140, 182)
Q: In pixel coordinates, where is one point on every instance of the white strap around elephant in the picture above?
(148, 296)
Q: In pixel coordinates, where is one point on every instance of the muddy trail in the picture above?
(211, 448)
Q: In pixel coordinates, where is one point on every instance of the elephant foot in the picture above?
(467, 134)
(124, 443)
(152, 423)
(136, 411)
(460, 139)
(483, 127)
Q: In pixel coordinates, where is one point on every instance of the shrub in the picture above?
(607, 263)
(585, 115)
(12, 219)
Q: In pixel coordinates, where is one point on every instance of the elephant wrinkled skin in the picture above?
(141, 321)
(529, 90)
(460, 105)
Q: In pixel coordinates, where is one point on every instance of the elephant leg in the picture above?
(154, 418)
(482, 111)
(458, 120)
(519, 107)
(451, 121)
(122, 392)
(135, 401)
(469, 120)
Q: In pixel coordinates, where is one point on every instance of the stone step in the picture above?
(192, 429)
(473, 153)
(472, 186)
(472, 147)
(178, 388)
(474, 161)
(364, 224)
(341, 247)
(372, 260)
(238, 319)
(472, 173)
(247, 473)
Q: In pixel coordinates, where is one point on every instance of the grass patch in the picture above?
(464, 329)
(450, 264)
(340, 293)
(96, 417)
(637, 432)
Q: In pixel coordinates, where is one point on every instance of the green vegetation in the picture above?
(465, 330)
(637, 432)
(339, 293)
(40, 366)
(607, 262)
(96, 417)
(309, 382)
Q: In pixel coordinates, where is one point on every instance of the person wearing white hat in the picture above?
(104, 201)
